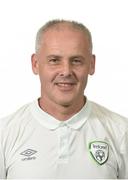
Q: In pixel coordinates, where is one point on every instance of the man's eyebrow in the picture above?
(77, 56)
(53, 56)
(60, 57)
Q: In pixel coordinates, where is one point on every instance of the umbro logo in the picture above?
(28, 153)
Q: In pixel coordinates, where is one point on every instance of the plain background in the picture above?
(107, 21)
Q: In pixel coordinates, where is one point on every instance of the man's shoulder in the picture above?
(106, 114)
(112, 122)
(16, 116)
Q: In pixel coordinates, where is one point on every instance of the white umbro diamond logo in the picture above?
(28, 152)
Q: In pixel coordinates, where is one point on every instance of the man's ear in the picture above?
(35, 64)
(92, 65)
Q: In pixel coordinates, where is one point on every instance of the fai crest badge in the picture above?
(99, 151)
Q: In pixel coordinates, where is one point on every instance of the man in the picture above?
(63, 134)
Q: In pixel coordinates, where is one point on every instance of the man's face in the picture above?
(63, 64)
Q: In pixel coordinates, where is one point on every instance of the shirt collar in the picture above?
(48, 121)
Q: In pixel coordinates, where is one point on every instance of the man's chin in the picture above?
(65, 103)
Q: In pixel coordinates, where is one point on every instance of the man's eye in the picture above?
(76, 61)
(53, 61)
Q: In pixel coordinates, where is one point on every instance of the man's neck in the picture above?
(60, 112)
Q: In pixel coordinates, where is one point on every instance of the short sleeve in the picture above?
(123, 170)
(2, 160)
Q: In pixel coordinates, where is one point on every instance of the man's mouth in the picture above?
(65, 85)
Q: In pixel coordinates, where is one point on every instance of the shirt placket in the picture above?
(63, 143)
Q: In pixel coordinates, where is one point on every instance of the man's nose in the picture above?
(66, 69)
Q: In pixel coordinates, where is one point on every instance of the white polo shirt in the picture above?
(93, 144)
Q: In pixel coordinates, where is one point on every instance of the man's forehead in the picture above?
(64, 40)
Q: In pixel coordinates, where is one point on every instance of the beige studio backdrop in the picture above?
(107, 20)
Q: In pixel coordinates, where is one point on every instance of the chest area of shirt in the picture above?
(53, 153)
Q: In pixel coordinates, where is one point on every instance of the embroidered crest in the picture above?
(99, 151)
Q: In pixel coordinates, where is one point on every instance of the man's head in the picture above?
(63, 60)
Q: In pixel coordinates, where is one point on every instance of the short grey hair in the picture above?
(55, 23)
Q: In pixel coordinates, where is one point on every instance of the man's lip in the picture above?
(65, 86)
(65, 83)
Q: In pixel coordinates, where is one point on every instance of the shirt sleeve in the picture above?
(2, 160)
(123, 169)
